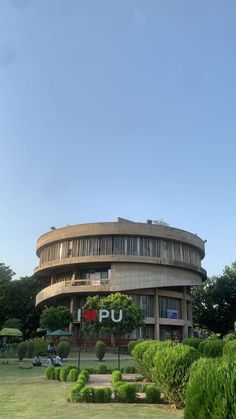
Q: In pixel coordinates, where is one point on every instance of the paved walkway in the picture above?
(100, 380)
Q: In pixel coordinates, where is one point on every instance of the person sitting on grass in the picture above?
(49, 362)
(37, 361)
(57, 361)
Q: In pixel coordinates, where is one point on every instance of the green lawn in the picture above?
(25, 393)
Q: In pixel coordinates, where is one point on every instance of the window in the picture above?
(168, 305)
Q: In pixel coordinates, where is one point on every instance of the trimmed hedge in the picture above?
(116, 377)
(50, 373)
(63, 374)
(75, 392)
(152, 394)
(230, 348)
(211, 391)
(193, 342)
(102, 395)
(57, 373)
(202, 345)
(171, 371)
(126, 393)
(102, 369)
(30, 348)
(21, 350)
(139, 351)
(213, 348)
(73, 375)
(100, 349)
(149, 355)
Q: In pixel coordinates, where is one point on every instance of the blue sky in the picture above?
(117, 108)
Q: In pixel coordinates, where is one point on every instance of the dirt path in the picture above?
(100, 380)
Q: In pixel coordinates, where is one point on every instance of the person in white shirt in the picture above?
(57, 361)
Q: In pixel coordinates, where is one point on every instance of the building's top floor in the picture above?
(121, 228)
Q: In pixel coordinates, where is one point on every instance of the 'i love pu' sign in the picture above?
(90, 315)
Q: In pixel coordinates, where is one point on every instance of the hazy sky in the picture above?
(117, 109)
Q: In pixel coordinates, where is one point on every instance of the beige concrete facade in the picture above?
(155, 264)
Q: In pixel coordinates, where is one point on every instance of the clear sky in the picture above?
(117, 109)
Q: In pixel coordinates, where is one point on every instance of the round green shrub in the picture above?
(87, 395)
(50, 373)
(116, 376)
(152, 394)
(73, 375)
(69, 367)
(230, 348)
(30, 348)
(194, 342)
(63, 349)
(73, 395)
(57, 373)
(40, 346)
(126, 393)
(171, 371)
(102, 395)
(211, 391)
(63, 374)
(21, 350)
(139, 351)
(213, 348)
(100, 349)
(107, 394)
(85, 374)
(149, 355)
(102, 369)
(132, 344)
(201, 346)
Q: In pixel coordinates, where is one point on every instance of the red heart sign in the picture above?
(90, 315)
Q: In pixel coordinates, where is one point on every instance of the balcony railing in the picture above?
(93, 282)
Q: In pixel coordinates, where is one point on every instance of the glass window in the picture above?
(170, 308)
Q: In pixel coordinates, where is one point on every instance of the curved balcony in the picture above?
(73, 287)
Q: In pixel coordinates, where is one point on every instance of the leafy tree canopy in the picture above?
(53, 318)
(132, 314)
(214, 303)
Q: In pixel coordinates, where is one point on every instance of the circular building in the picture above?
(156, 264)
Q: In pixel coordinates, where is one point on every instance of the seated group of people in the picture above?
(52, 361)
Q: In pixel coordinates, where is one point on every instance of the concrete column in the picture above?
(184, 308)
(156, 315)
(72, 306)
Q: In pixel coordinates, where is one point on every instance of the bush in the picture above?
(132, 344)
(21, 350)
(102, 395)
(152, 394)
(139, 351)
(63, 374)
(213, 348)
(149, 355)
(126, 393)
(230, 336)
(230, 348)
(202, 345)
(102, 369)
(87, 395)
(30, 348)
(50, 373)
(40, 346)
(116, 376)
(100, 349)
(193, 342)
(171, 371)
(84, 374)
(74, 392)
(73, 375)
(91, 370)
(211, 390)
(57, 373)
(69, 367)
(63, 349)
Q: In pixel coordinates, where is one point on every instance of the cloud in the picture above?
(138, 17)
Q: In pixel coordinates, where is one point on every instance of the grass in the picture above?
(25, 393)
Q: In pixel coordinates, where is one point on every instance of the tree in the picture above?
(132, 314)
(53, 318)
(214, 304)
(6, 275)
